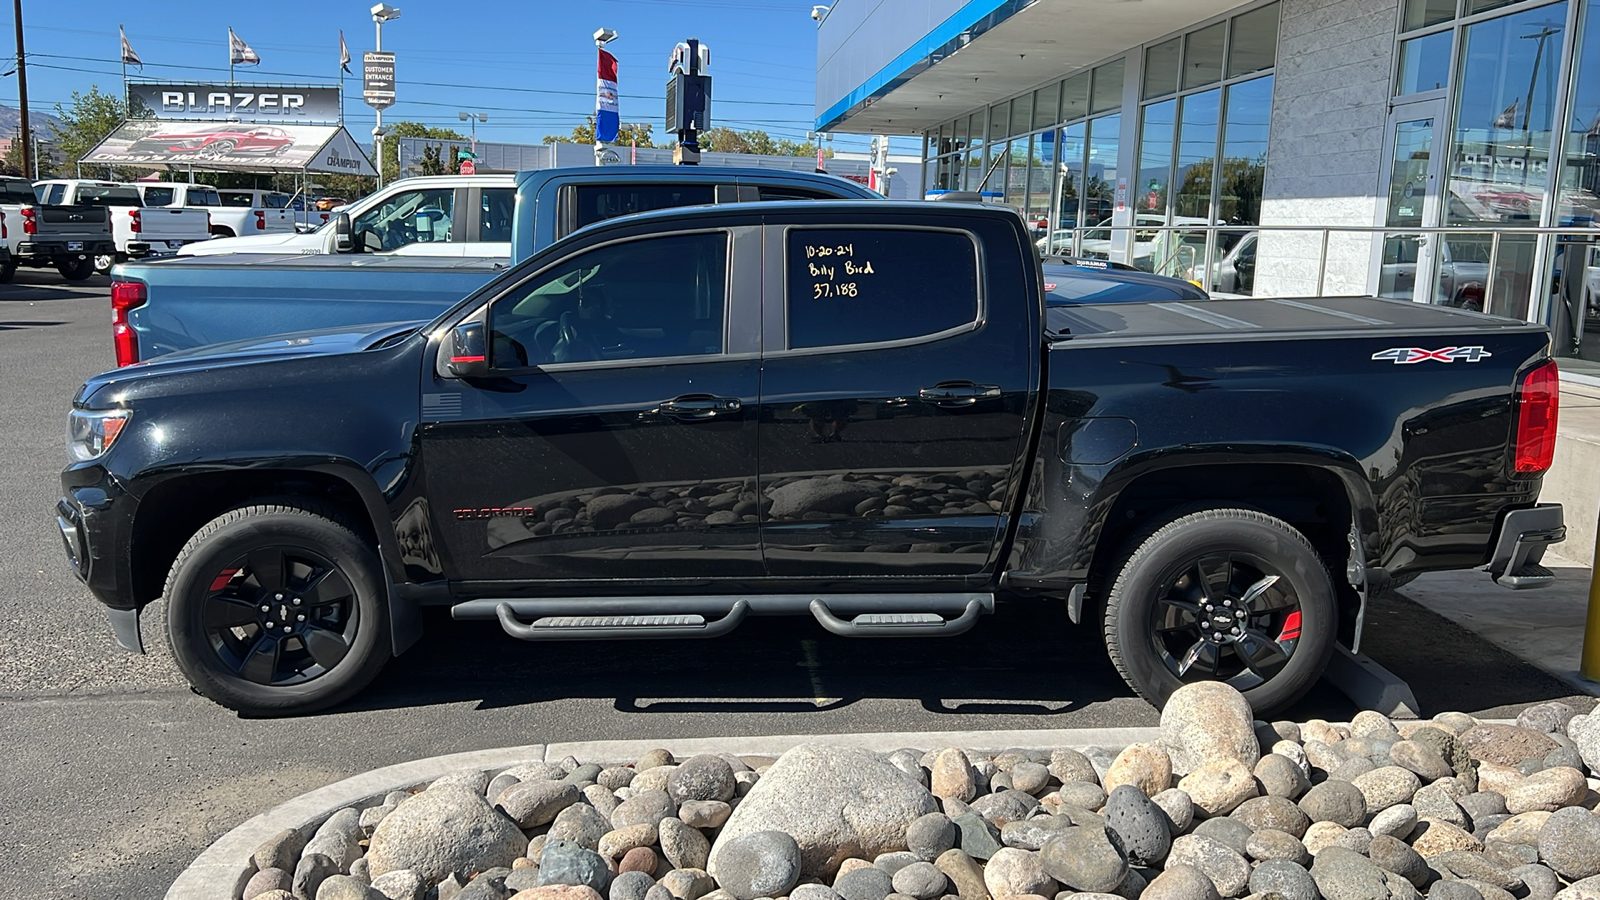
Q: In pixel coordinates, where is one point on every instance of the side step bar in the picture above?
(621, 618)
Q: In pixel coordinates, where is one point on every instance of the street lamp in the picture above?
(381, 13)
(474, 118)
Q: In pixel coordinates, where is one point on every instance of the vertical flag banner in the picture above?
(606, 118)
(344, 53)
(239, 53)
(128, 56)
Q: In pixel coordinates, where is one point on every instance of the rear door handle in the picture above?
(958, 393)
(698, 406)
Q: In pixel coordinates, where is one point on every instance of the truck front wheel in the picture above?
(1229, 595)
(277, 610)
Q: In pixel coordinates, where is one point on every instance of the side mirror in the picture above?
(343, 242)
(469, 351)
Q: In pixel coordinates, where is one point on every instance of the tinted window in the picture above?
(52, 194)
(858, 286)
(496, 208)
(20, 191)
(596, 203)
(789, 193)
(204, 197)
(158, 196)
(276, 201)
(408, 217)
(640, 299)
(109, 195)
(237, 198)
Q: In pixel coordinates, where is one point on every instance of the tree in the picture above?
(725, 140)
(12, 163)
(391, 144)
(85, 122)
(629, 133)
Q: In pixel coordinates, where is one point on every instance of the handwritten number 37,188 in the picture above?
(847, 289)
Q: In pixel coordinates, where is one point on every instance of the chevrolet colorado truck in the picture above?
(863, 413)
(170, 305)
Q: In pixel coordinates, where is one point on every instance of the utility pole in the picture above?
(381, 13)
(22, 91)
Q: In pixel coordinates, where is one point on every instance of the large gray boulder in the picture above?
(444, 830)
(1206, 722)
(836, 802)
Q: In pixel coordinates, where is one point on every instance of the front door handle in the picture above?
(698, 406)
(958, 393)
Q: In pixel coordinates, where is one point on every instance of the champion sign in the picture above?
(1405, 356)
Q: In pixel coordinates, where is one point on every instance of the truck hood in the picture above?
(255, 243)
(256, 351)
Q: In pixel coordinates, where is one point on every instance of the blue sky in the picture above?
(530, 65)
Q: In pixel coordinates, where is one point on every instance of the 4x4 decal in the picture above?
(1404, 356)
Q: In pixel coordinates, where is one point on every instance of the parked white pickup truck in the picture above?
(137, 230)
(227, 219)
(292, 209)
(444, 215)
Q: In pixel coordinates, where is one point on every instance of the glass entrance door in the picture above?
(1408, 259)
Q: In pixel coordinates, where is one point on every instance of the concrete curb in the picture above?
(221, 870)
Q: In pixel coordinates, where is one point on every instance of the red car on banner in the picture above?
(266, 141)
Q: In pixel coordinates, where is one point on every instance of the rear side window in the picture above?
(864, 285)
(274, 201)
(793, 193)
(157, 196)
(205, 197)
(236, 198)
(496, 208)
(596, 203)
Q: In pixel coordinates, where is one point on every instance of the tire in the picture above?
(248, 558)
(8, 272)
(1158, 603)
(75, 269)
(103, 263)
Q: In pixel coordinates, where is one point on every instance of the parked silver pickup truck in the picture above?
(66, 237)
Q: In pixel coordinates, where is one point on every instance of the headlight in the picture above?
(91, 432)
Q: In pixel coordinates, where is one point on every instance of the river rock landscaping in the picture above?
(1220, 806)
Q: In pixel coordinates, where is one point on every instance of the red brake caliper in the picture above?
(1291, 627)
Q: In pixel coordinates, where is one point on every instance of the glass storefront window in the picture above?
(1069, 188)
(959, 139)
(975, 124)
(1157, 123)
(1422, 13)
(1021, 115)
(1244, 152)
(1100, 179)
(1107, 93)
(1255, 41)
(1040, 162)
(1012, 175)
(1574, 308)
(1478, 6)
(1197, 156)
(1000, 121)
(1500, 149)
(1161, 68)
(1202, 56)
(1424, 63)
(1046, 106)
(1075, 97)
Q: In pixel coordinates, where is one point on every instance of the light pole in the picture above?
(474, 118)
(381, 13)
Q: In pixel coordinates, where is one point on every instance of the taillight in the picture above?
(125, 295)
(1538, 405)
(261, 220)
(137, 221)
(29, 224)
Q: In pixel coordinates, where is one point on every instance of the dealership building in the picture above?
(1439, 150)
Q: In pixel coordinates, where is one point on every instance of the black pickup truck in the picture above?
(860, 412)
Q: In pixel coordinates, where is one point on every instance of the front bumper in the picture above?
(94, 517)
(1520, 545)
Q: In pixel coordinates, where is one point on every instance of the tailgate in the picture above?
(60, 221)
(162, 223)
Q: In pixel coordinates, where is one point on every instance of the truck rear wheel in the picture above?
(277, 610)
(1230, 595)
(8, 272)
(75, 269)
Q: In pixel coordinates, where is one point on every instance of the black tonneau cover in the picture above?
(1234, 319)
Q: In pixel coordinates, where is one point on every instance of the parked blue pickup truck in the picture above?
(163, 306)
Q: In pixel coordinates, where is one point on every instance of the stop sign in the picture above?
(467, 168)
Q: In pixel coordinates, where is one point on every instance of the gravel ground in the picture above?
(116, 775)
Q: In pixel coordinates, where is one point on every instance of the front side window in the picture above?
(496, 208)
(406, 218)
(642, 299)
(274, 201)
(596, 203)
(865, 285)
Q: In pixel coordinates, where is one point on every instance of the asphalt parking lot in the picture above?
(115, 775)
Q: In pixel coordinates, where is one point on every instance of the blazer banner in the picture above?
(262, 103)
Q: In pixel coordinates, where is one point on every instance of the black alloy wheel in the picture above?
(1226, 617)
(279, 617)
(277, 609)
(1229, 595)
